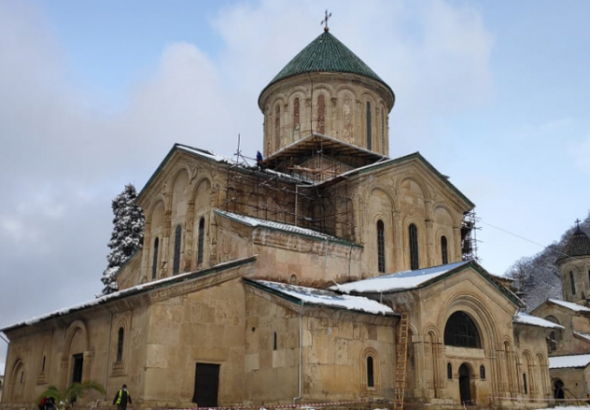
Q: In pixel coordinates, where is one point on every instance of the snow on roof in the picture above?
(569, 305)
(522, 318)
(584, 336)
(205, 154)
(572, 361)
(124, 292)
(327, 298)
(256, 222)
(397, 281)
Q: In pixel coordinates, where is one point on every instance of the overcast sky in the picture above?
(94, 94)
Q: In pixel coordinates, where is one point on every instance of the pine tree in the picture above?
(127, 236)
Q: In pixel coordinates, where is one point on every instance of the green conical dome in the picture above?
(326, 54)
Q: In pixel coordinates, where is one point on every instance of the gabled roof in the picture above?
(144, 287)
(417, 279)
(208, 155)
(575, 361)
(569, 305)
(522, 318)
(326, 54)
(577, 245)
(322, 297)
(387, 162)
(283, 227)
(221, 159)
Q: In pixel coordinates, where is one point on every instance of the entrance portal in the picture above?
(558, 389)
(464, 384)
(206, 385)
(78, 364)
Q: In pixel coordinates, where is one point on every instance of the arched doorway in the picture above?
(464, 384)
(558, 389)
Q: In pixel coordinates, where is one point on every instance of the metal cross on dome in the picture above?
(325, 20)
(578, 223)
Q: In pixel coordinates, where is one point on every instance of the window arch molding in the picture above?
(71, 332)
(202, 205)
(14, 381)
(119, 349)
(154, 228)
(381, 240)
(476, 309)
(462, 331)
(370, 357)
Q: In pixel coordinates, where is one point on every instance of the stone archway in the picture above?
(558, 389)
(466, 386)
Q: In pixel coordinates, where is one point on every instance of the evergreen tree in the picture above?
(127, 236)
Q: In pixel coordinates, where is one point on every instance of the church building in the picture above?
(569, 349)
(324, 273)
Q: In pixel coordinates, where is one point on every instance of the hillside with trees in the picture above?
(537, 277)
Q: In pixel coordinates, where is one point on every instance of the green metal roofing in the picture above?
(326, 54)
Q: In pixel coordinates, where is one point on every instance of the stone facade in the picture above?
(197, 319)
(573, 313)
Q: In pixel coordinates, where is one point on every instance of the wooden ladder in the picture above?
(401, 361)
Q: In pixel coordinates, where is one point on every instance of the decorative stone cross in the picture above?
(325, 20)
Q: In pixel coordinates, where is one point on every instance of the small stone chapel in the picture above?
(326, 272)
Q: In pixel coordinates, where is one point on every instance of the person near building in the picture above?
(122, 398)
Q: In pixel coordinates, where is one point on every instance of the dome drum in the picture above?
(338, 105)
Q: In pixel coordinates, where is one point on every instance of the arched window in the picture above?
(277, 126)
(382, 131)
(381, 246)
(572, 282)
(461, 331)
(482, 372)
(296, 113)
(370, 372)
(200, 244)
(526, 388)
(368, 125)
(155, 258)
(274, 343)
(177, 240)
(552, 342)
(413, 235)
(321, 114)
(449, 371)
(120, 338)
(443, 250)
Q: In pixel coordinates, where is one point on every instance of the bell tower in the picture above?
(574, 267)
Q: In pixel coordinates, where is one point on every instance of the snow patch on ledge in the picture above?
(397, 281)
(206, 154)
(327, 298)
(256, 222)
(522, 318)
(572, 361)
(584, 336)
(570, 305)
